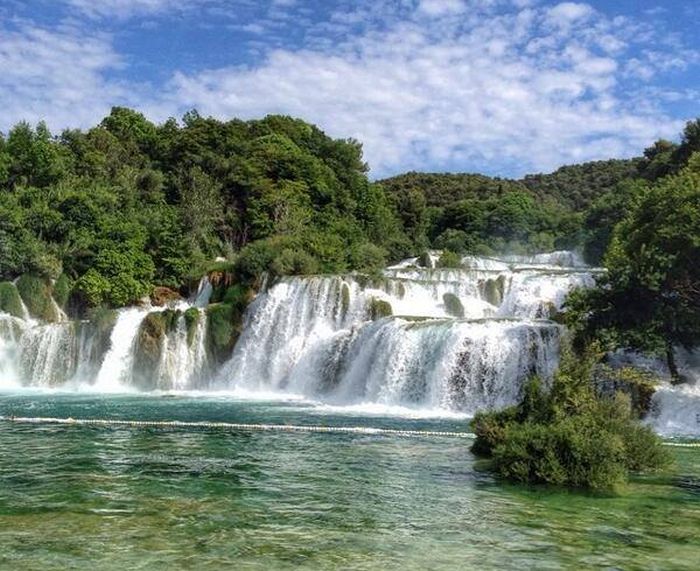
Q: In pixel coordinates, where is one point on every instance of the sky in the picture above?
(502, 87)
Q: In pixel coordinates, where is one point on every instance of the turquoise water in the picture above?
(74, 497)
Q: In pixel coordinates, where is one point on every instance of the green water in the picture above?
(76, 497)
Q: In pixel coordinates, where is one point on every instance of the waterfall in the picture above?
(115, 372)
(457, 339)
(10, 333)
(183, 356)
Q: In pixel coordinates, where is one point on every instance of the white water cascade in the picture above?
(115, 372)
(422, 338)
(69, 353)
(457, 339)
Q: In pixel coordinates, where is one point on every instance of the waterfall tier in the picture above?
(450, 339)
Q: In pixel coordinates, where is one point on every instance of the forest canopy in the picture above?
(111, 212)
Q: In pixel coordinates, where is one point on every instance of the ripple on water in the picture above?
(78, 496)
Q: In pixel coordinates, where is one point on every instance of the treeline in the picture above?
(125, 206)
(576, 206)
(110, 213)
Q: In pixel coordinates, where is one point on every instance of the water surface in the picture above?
(75, 497)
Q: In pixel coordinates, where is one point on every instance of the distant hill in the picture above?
(574, 187)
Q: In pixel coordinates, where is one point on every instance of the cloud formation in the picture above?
(57, 75)
(468, 87)
(500, 86)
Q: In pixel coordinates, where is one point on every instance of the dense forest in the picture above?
(104, 216)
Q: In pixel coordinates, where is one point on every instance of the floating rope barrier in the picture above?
(233, 426)
(237, 426)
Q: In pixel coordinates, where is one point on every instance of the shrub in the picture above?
(368, 257)
(294, 263)
(449, 259)
(61, 290)
(569, 435)
(254, 260)
(453, 240)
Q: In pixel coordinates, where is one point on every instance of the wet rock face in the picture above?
(379, 308)
(164, 296)
(453, 306)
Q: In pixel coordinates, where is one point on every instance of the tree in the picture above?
(650, 299)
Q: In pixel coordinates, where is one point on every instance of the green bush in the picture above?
(10, 301)
(294, 262)
(449, 259)
(61, 290)
(453, 240)
(575, 451)
(368, 257)
(569, 435)
(254, 260)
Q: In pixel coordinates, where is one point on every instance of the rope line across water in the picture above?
(258, 427)
(233, 426)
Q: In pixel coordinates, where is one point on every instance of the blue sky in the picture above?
(503, 87)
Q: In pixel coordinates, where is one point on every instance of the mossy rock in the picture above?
(400, 290)
(163, 296)
(547, 311)
(379, 308)
(170, 319)
(224, 324)
(344, 299)
(149, 346)
(61, 290)
(10, 301)
(453, 306)
(493, 290)
(103, 318)
(424, 261)
(192, 317)
(36, 294)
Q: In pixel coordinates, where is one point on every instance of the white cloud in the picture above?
(57, 75)
(505, 86)
(466, 93)
(567, 13)
(441, 7)
(125, 8)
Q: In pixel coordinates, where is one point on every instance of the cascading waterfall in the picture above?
(443, 339)
(78, 353)
(459, 339)
(116, 369)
